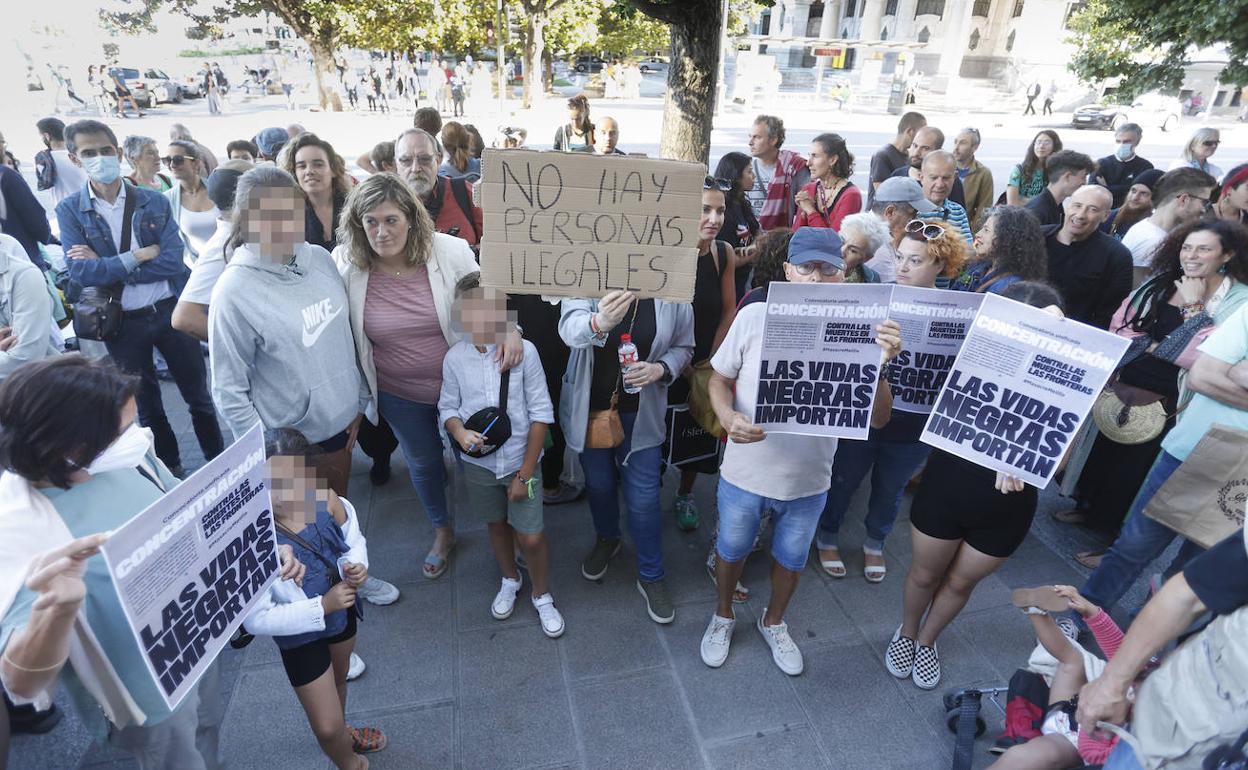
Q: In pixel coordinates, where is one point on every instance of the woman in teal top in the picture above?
(1028, 179)
(68, 437)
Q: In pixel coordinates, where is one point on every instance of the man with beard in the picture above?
(417, 154)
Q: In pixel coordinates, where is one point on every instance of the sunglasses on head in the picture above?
(928, 230)
(716, 183)
(173, 161)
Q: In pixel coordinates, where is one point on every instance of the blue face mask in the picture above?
(1124, 151)
(102, 168)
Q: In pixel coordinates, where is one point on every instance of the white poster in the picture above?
(1021, 388)
(190, 566)
(933, 324)
(820, 365)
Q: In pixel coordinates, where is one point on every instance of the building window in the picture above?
(924, 35)
(891, 8)
(849, 9)
(883, 33)
(1009, 42)
(981, 8)
(929, 8)
(1018, 8)
(973, 43)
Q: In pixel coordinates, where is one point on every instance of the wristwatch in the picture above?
(667, 378)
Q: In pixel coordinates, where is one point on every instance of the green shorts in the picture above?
(488, 495)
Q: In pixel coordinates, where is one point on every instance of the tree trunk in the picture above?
(326, 75)
(534, 48)
(691, 81)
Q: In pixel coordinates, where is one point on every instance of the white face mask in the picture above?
(126, 452)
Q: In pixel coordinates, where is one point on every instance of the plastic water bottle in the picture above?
(628, 357)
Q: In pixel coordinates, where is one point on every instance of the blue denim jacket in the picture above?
(152, 223)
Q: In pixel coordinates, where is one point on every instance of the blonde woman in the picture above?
(401, 279)
(1200, 148)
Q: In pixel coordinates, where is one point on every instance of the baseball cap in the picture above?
(815, 244)
(270, 140)
(903, 189)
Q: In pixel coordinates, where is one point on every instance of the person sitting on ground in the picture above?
(1027, 179)
(457, 144)
(1181, 197)
(830, 196)
(243, 149)
(1066, 170)
(1061, 744)
(897, 201)
(787, 474)
(1198, 150)
(892, 452)
(314, 623)
(502, 449)
(1091, 269)
(1009, 248)
(1138, 204)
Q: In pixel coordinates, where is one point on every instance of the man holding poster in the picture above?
(784, 472)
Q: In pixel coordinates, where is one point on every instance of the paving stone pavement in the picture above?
(454, 688)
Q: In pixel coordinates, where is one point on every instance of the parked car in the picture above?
(652, 64)
(1149, 110)
(588, 63)
(151, 86)
(192, 85)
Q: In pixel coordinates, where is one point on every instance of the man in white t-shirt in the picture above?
(69, 178)
(786, 474)
(1180, 197)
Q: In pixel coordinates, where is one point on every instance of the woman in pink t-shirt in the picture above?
(401, 280)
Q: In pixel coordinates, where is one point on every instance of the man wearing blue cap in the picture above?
(271, 141)
(786, 474)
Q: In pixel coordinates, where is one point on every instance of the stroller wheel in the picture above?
(953, 715)
(953, 698)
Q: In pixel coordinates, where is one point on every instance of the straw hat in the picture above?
(1128, 425)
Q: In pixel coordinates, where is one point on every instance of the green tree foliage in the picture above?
(450, 26)
(621, 31)
(1147, 44)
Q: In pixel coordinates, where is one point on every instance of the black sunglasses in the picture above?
(173, 161)
(716, 183)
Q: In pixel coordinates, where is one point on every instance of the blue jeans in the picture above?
(741, 513)
(1140, 541)
(416, 426)
(1123, 758)
(892, 464)
(605, 475)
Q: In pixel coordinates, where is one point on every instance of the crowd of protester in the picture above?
(338, 311)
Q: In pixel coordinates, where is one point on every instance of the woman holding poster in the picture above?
(966, 520)
(1198, 274)
(892, 453)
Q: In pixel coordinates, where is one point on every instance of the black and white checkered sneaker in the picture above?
(899, 655)
(926, 674)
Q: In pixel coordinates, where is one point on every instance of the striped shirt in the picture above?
(954, 215)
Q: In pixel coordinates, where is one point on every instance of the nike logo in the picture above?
(316, 319)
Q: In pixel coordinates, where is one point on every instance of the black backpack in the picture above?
(45, 170)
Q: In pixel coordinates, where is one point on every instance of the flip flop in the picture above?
(435, 565)
(874, 573)
(366, 740)
(833, 567)
(1041, 597)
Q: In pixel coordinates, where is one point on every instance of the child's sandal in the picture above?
(366, 740)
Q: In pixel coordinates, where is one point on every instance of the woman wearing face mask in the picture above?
(401, 281)
(714, 305)
(281, 345)
(322, 176)
(76, 465)
(1197, 282)
(892, 453)
(192, 207)
(1027, 179)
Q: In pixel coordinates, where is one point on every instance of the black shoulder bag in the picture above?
(97, 311)
(492, 422)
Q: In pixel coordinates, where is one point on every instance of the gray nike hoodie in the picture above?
(279, 338)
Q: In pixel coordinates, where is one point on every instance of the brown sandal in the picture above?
(366, 740)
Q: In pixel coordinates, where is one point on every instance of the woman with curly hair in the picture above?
(892, 453)
(830, 196)
(1028, 179)
(1009, 247)
(322, 175)
(1198, 275)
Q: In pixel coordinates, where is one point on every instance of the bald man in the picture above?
(936, 176)
(926, 140)
(1092, 270)
(608, 133)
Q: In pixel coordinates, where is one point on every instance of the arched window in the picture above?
(981, 8)
(924, 35)
(973, 43)
(1009, 42)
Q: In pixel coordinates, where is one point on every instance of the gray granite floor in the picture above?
(454, 688)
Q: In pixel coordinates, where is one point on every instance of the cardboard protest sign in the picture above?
(190, 566)
(820, 366)
(581, 225)
(933, 324)
(1021, 388)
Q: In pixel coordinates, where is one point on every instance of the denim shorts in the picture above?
(794, 524)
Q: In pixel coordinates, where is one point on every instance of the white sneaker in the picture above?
(716, 641)
(355, 669)
(783, 649)
(377, 591)
(505, 599)
(552, 621)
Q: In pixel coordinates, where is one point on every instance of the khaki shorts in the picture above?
(487, 496)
